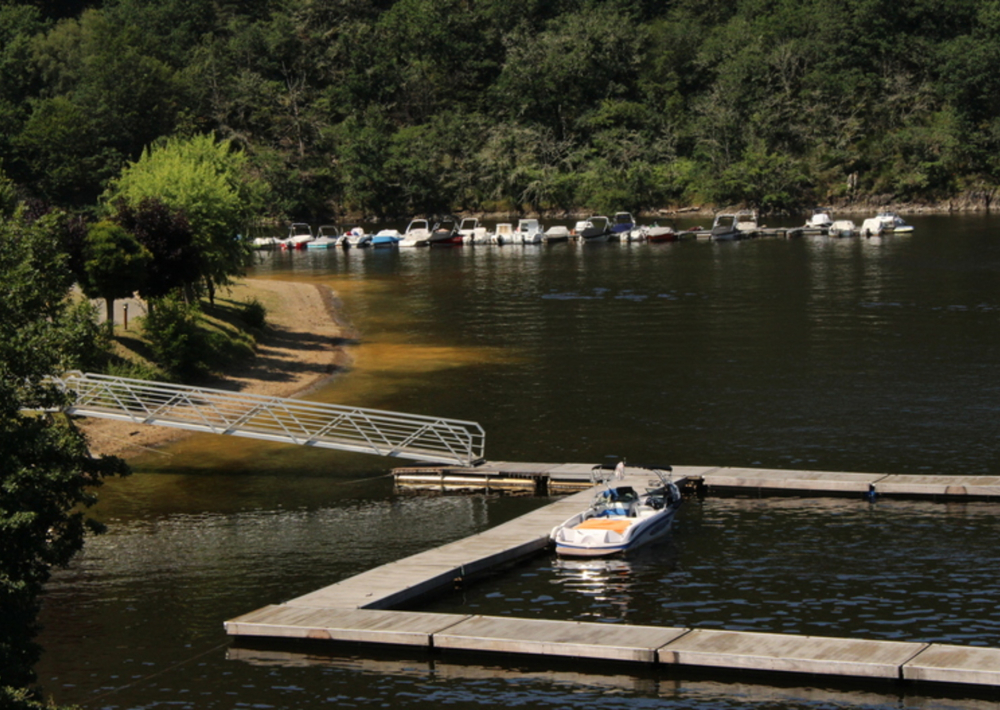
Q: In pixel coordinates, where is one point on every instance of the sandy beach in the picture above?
(301, 348)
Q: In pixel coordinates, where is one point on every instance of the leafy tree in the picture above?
(46, 472)
(211, 184)
(115, 265)
(166, 234)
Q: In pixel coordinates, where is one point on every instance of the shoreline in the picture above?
(302, 347)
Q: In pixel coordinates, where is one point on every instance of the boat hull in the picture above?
(640, 533)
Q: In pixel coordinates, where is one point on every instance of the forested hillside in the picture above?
(396, 107)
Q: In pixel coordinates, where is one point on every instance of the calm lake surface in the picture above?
(863, 355)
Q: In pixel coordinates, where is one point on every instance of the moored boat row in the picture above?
(449, 231)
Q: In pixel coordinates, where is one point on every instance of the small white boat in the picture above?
(884, 223)
(595, 229)
(504, 233)
(265, 242)
(619, 519)
(417, 234)
(725, 227)
(556, 233)
(472, 232)
(656, 233)
(746, 221)
(386, 238)
(842, 228)
(819, 219)
(327, 236)
(528, 232)
(622, 226)
(356, 237)
(299, 234)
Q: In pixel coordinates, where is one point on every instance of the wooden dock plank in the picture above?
(942, 663)
(777, 479)
(939, 485)
(791, 654)
(557, 638)
(401, 628)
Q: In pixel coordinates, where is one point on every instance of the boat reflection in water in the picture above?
(613, 586)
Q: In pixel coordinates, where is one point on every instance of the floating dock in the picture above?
(556, 479)
(360, 609)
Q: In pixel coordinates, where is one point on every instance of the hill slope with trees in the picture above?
(396, 107)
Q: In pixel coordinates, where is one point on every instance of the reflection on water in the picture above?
(852, 355)
(822, 567)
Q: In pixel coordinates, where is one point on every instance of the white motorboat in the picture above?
(417, 234)
(356, 237)
(656, 233)
(386, 238)
(299, 234)
(528, 232)
(327, 236)
(620, 519)
(265, 242)
(725, 227)
(504, 233)
(472, 232)
(595, 229)
(556, 233)
(746, 222)
(842, 228)
(622, 226)
(819, 219)
(884, 223)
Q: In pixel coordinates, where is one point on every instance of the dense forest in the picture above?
(396, 107)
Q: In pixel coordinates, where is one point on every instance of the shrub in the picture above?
(254, 314)
(174, 337)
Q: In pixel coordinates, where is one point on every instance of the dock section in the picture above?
(556, 479)
(361, 609)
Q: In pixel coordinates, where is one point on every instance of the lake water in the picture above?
(874, 355)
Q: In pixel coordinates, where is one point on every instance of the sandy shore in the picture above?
(301, 348)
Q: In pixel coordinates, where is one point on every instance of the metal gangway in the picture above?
(292, 421)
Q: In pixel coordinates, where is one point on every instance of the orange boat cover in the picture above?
(618, 525)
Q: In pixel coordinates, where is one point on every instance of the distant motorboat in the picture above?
(819, 219)
(883, 223)
(595, 229)
(299, 234)
(356, 237)
(842, 228)
(416, 234)
(265, 242)
(746, 221)
(327, 236)
(556, 233)
(472, 232)
(504, 233)
(528, 232)
(622, 226)
(725, 228)
(386, 238)
(657, 233)
(445, 233)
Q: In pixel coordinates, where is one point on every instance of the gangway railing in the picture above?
(293, 421)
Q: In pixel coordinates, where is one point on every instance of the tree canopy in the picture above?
(205, 180)
(46, 472)
(395, 106)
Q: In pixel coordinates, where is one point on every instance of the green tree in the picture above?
(115, 265)
(47, 475)
(210, 182)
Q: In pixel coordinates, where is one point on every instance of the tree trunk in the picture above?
(110, 304)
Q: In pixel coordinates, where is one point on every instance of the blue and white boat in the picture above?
(387, 238)
(622, 226)
(620, 519)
